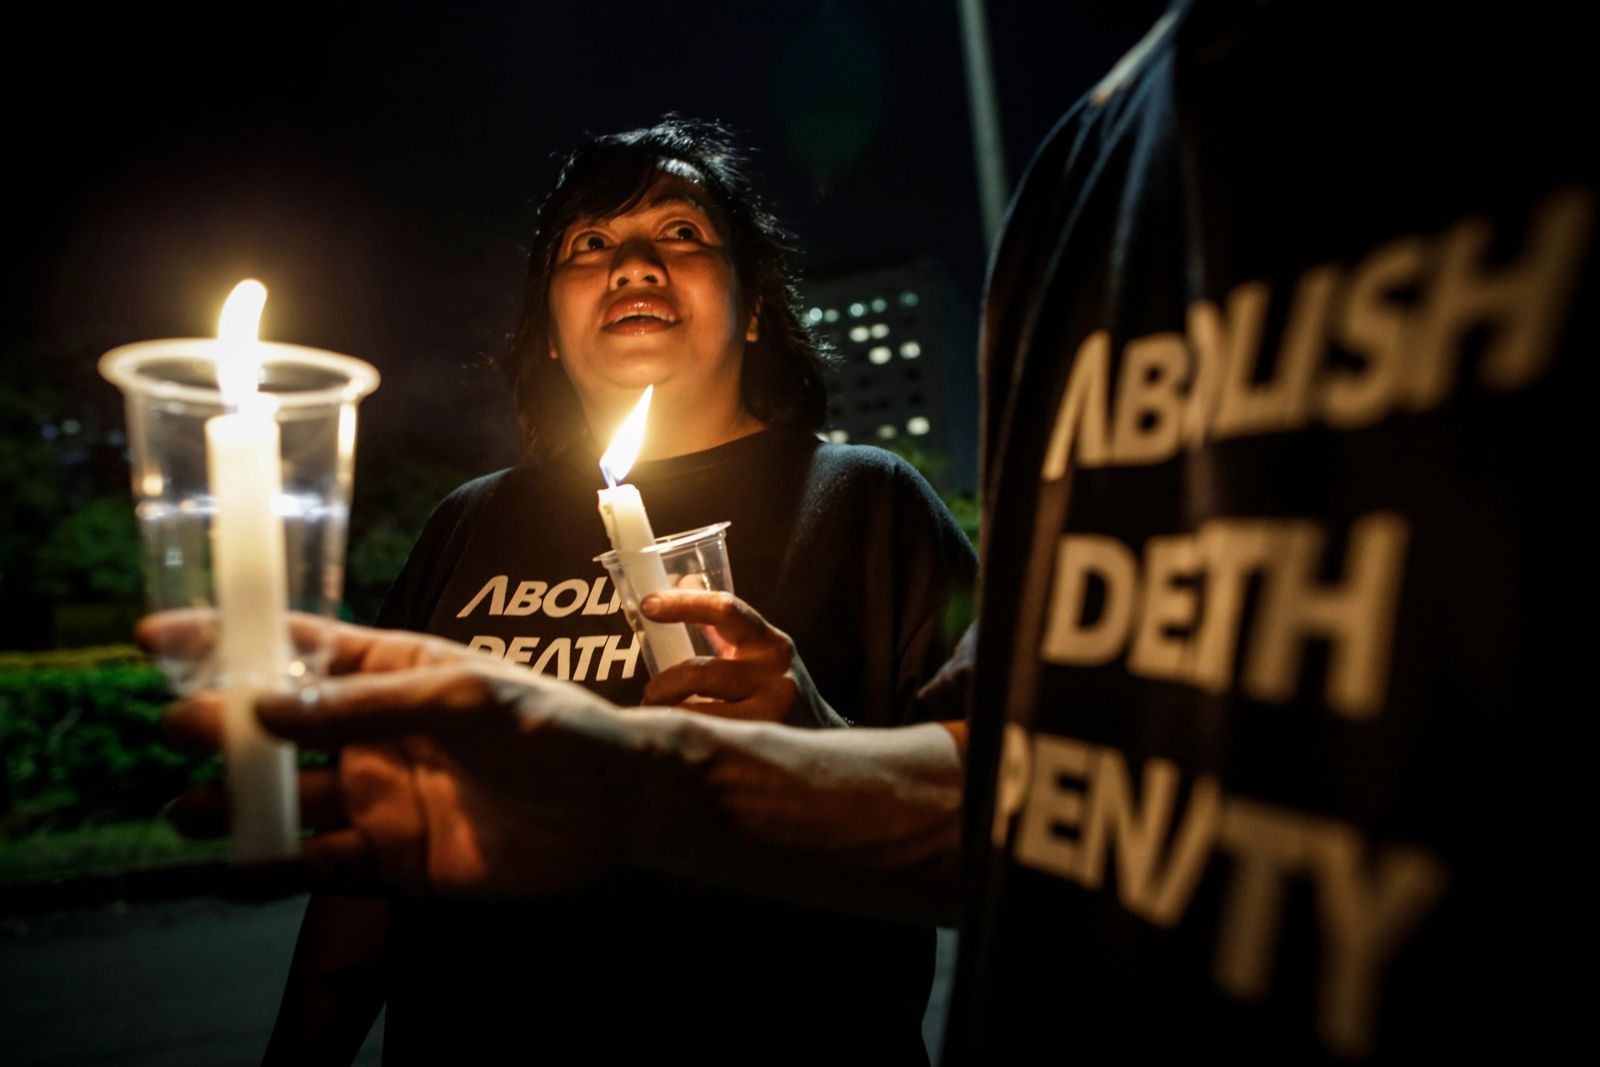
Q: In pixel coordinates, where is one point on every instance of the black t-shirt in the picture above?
(1273, 721)
(847, 550)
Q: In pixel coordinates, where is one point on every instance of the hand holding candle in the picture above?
(243, 457)
(622, 510)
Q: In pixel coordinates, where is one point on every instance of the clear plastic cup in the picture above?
(170, 389)
(695, 559)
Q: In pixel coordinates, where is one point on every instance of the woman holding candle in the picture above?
(656, 265)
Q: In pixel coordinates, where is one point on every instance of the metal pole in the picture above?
(987, 145)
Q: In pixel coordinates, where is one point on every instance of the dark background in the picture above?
(377, 166)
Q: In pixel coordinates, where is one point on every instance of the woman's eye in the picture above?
(683, 231)
(588, 242)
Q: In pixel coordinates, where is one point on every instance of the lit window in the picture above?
(887, 431)
(859, 333)
(814, 315)
(910, 350)
(880, 329)
(838, 437)
(831, 315)
(916, 426)
(880, 304)
(880, 355)
(908, 299)
(857, 310)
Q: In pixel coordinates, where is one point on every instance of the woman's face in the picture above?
(649, 297)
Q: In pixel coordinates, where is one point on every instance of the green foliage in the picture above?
(26, 468)
(93, 553)
(28, 480)
(80, 743)
(113, 846)
(71, 658)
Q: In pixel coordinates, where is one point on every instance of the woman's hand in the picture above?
(756, 674)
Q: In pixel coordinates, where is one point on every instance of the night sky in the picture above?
(378, 165)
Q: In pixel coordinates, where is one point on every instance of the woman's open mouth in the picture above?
(640, 314)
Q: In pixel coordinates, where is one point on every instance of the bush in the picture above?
(92, 554)
(80, 742)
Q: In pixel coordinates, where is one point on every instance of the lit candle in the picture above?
(622, 510)
(248, 561)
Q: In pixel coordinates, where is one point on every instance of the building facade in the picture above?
(905, 373)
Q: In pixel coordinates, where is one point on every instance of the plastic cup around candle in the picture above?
(170, 389)
(695, 559)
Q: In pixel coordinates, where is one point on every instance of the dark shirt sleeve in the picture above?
(938, 570)
(948, 694)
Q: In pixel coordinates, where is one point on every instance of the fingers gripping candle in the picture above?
(248, 560)
(622, 510)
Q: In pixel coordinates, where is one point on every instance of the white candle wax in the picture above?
(248, 560)
(622, 510)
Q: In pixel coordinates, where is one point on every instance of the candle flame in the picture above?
(239, 361)
(626, 442)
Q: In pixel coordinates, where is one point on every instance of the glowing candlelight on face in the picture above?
(248, 560)
(622, 510)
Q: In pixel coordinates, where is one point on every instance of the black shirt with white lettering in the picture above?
(846, 549)
(1277, 702)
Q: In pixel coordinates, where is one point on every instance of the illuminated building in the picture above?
(906, 372)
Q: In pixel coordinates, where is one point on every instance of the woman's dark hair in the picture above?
(781, 381)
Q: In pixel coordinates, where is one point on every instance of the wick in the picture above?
(606, 474)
